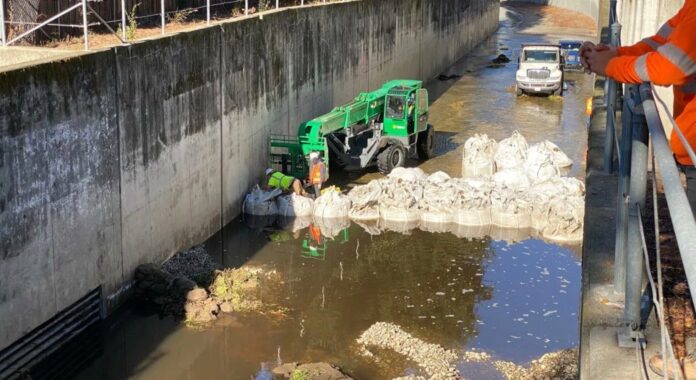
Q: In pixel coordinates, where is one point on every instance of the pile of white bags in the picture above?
(478, 156)
(260, 202)
(506, 186)
(332, 204)
(294, 205)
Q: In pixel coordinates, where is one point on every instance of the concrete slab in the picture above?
(15, 57)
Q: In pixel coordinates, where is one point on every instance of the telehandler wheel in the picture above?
(424, 147)
(391, 157)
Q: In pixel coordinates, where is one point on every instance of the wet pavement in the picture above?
(506, 293)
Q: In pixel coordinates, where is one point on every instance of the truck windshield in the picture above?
(395, 107)
(540, 56)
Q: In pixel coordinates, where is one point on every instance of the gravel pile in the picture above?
(195, 264)
(435, 360)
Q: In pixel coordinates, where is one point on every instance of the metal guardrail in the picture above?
(86, 9)
(643, 140)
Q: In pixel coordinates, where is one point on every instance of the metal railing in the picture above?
(642, 141)
(86, 9)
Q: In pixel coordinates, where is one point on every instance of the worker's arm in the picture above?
(671, 64)
(651, 43)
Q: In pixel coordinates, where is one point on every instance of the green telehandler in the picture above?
(378, 128)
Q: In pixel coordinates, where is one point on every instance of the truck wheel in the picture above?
(518, 91)
(424, 147)
(559, 92)
(391, 157)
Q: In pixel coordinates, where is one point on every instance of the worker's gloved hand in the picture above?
(589, 48)
(599, 59)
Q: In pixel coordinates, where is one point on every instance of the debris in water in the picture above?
(437, 362)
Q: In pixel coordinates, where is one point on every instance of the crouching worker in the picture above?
(317, 172)
(276, 179)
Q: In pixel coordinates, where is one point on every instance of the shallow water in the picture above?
(511, 295)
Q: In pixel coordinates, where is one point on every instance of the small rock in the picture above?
(197, 294)
(226, 307)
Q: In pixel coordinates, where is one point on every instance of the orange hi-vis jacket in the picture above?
(667, 58)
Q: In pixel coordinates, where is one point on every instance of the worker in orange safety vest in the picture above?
(317, 172)
(666, 59)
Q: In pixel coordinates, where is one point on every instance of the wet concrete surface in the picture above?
(511, 295)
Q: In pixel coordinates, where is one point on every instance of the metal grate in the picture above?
(538, 73)
(44, 340)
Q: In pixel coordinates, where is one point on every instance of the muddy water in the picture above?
(502, 292)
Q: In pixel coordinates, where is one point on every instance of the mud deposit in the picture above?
(495, 300)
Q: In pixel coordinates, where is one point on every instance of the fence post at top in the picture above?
(162, 14)
(123, 20)
(277, 4)
(3, 38)
(207, 11)
(246, 7)
(302, 3)
(84, 23)
(634, 255)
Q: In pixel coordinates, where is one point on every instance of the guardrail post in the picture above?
(2, 23)
(207, 11)
(246, 7)
(277, 4)
(84, 23)
(634, 256)
(610, 96)
(622, 196)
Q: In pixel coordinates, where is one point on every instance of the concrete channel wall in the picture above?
(128, 155)
(587, 7)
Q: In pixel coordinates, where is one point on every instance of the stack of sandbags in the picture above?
(478, 158)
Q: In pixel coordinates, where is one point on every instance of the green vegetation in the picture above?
(132, 25)
(300, 375)
(181, 16)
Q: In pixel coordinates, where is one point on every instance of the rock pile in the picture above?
(309, 371)
(230, 290)
(559, 365)
(435, 360)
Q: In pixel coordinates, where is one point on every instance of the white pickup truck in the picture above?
(540, 69)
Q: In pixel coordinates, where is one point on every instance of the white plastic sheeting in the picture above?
(260, 202)
(512, 152)
(294, 205)
(332, 204)
(478, 158)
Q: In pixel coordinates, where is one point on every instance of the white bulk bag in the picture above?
(512, 178)
(511, 152)
(472, 203)
(408, 174)
(438, 197)
(365, 201)
(539, 165)
(560, 159)
(332, 204)
(566, 219)
(260, 202)
(510, 208)
(332, 226)
(294, 205)
(478, 156)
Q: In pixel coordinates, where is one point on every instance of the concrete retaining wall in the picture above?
(588, 7)
(125, 156)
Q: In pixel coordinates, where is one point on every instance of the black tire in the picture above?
(559, 92)
(424, 147)
(518, 91)
(394, 155)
